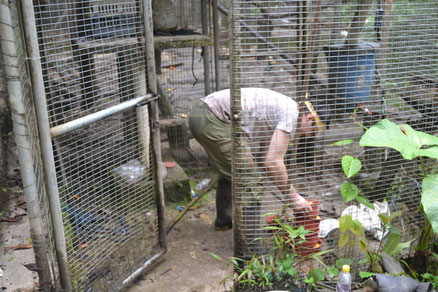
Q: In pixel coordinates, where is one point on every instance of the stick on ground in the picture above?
(186, 208)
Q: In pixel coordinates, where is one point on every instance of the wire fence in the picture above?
(364, 61)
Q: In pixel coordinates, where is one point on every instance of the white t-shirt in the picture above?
(263, 111)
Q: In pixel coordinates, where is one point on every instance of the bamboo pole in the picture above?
(154, 114)
(22, 137)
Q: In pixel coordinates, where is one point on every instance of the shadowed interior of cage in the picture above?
(365, 69)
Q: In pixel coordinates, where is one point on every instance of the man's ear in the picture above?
(310, 116)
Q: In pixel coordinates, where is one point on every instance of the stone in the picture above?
(176, 184)
(391, 265)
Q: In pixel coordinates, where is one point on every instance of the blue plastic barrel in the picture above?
(351, 72)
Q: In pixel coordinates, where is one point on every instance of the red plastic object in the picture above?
(308, 249)
(169, 164)
(310, 224)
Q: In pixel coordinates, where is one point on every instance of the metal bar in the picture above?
(46, 142)
(84, 121)
(216, 34)
(145, 266)
(156, 143)
(206, 50)
(18, 110)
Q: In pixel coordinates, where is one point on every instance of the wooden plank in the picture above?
(160, 42)
(181, 41)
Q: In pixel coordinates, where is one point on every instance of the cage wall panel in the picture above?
(382, 66)
(92, 55)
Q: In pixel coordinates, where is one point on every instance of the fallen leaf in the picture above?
(20, 246)
(83, 245)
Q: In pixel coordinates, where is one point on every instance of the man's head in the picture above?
(315, 116)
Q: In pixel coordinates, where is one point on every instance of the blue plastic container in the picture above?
(351, 72)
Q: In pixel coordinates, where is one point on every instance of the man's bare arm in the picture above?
(276, 169)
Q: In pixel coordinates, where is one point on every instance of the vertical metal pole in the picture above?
(217, 46)
(46, 142)
(236, 182)
(206, 50)
(18, 110)
(156, 143)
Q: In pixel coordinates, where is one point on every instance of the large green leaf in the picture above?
(429, 200)
(365, 202)
(351, 165)
(349, 191)
(343, 239)
(403, 138)
(343, 142)
(356, 227)
(366, 274)
(400, 247)
(363, 245)
(317, 274)
(391, 243)
(333, 272)
(343, 261)
(345, 222)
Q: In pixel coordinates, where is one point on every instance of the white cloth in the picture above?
(263, 111)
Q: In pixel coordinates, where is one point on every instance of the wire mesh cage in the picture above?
(358, 62)
(92, 118)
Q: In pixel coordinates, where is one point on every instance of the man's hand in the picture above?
(300, 204)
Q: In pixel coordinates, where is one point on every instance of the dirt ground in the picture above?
(188, 264)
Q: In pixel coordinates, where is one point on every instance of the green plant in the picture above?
(352, 230)
(411, 144)
(431, 278)
(279, 266)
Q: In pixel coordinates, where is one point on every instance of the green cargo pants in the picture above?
(214, 135)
